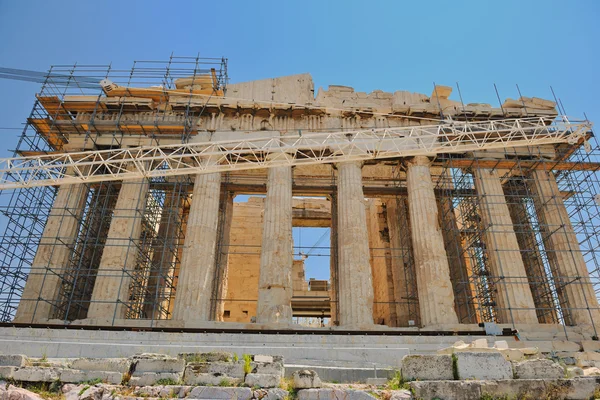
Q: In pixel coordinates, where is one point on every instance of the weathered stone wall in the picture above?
(245, 247)
(380, 259)
(244, 260)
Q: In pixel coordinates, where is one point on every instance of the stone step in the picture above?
(341, 374)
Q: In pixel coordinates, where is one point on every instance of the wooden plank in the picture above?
(54, 107)
(524, 164)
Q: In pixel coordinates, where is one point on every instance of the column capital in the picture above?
(423, 161)
(357, 163)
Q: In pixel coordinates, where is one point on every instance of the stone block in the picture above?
(400, 395)
(37, 374)
(75, 376)
(538, 369)
(306, 379)
(377, 381)
(274, 368)
(150, 378)
(564, 345)
(573, 372)
(530, 351)
(208, 373)
(580, 388)
(479, 344)
(210, 379)
(590, 345)
(13, 360)
(587, 359)
(262, 380)
(271, 394)
(501, 344)
(512, 354)
(220, 393)
(7, 372)
(213, 356)
(514, 388)
(478, 365)
(333, 394)
(447, 390)
(427, 367)
(259, 358)
(102, 364)
(157, 363)
(173, 391)
(592, 371)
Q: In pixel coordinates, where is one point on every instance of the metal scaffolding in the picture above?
(161, 167)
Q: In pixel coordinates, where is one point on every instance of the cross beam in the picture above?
(285, 149)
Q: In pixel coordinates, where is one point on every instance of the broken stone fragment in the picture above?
(333, 394)
(15, 360)
(306, 379)
(16, 393)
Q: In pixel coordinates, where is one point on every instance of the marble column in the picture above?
(52, 257)
(569, 270)
(355, 297)
(194, 292)
(436, 297)
(276, 258)
(224, 237)
(119, 257)
(515, 301)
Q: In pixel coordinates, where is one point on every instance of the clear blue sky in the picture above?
(387, 45)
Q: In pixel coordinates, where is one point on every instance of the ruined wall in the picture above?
(297, 89)
(379, 247)
(244, 260)
(245, 244)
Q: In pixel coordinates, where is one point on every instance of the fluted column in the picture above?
(436, 297)
(224, 238)
(193, 296)
(355, 296)
(569, 270)
(52, 256)
(119, 257)
(513, 294)
(275, 278)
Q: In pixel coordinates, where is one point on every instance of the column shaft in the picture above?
(571, 276)
(119, 258)
(355, 281)
(436, 297)
(52, 257)
(224, 234)
(195, 284)
(275, 278)
(515, 301)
